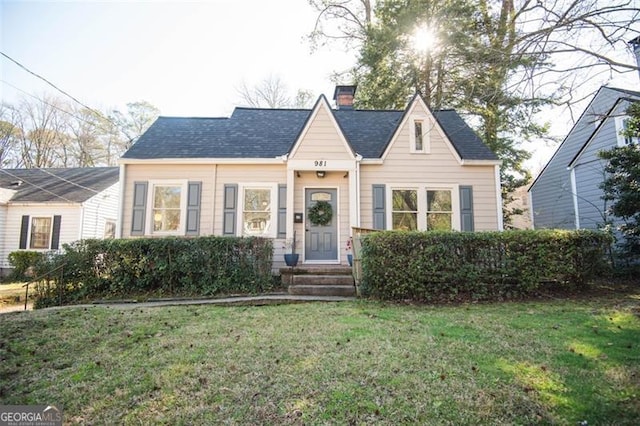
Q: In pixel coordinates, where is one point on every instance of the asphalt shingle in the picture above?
(57, 185)
(268, 133)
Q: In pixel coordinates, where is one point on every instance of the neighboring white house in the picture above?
(41, 209)
(274, 172)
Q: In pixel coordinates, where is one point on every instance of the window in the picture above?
(404, 206)
(166, 208)
(621, 124)
(256, 211)
(424, 207)
(419, 135)
(109, 229)
(40, 233)
(439, 210)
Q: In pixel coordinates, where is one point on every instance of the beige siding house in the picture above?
(42, 209)
(261, 172)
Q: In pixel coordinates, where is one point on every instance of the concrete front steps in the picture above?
(320, 280)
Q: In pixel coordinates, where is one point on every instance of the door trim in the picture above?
(337, 215)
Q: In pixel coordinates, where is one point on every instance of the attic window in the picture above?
(419, 136)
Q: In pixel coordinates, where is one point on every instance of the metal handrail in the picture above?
(35, 280)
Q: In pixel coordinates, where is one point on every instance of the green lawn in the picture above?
(555, 362)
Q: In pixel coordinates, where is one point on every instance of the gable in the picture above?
(435, 138)
(581, 132)
(321, 137)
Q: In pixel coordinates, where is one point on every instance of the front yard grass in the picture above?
(553, 362)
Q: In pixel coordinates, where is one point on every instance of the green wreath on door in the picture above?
(321, 213)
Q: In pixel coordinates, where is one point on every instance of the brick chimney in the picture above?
(343, 95)
(635, 43)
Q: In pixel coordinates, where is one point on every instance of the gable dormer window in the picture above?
(419, 136)
(621, 125)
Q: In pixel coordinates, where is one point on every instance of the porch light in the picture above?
(320, 173)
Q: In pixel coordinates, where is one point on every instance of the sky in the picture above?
(186, 58)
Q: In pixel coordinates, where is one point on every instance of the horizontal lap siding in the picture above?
(239, 174)
(190, 172)
(98, 209)
(551, 195)
(437, 167)
(69, 229)
(322, 141)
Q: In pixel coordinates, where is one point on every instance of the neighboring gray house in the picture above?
(41, 209)
(566, 193)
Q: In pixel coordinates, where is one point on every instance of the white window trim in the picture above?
(50, 232)
(422, 202)
(184, 185)
(622, 141)
(273, 229)
(426, 132)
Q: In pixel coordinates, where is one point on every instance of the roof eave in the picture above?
(204, 160)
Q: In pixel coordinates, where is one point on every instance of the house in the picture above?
(273, 172)
(566, 193)
(41, 209)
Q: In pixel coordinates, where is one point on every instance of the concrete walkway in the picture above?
(259, 300)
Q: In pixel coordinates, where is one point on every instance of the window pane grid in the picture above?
(40, 232)
(166, 208)
(439, 210)
(404, 214)
(256, 216)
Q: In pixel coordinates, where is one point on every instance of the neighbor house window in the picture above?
(257, 218)
(439, 210)
(404, 206)
(622, 123)
(424, 207)
(109, 229)
(40, 233)
(167, 208)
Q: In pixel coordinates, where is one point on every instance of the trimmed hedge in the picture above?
(22, 261)
(173, 266)
(436, 266)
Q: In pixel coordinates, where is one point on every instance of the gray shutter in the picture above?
(466, 208)
(230, 202)
(24, 232)
(193, 208)
(55, 237)
(139, 207)
(379, 213)
(282, 211)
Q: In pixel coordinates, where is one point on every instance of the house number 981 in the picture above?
(320, 163)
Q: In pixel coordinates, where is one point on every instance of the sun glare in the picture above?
(423, 39)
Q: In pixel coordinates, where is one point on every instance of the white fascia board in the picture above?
(43, 204)
(481, 163)
(328, 165)
(372, 161)
(277, 160)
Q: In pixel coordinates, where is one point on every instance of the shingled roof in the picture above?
(71, 185)
(269, 133)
